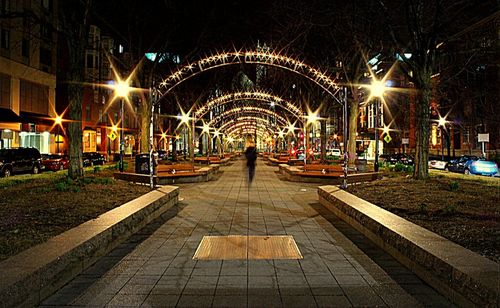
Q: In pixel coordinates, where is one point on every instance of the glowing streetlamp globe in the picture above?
(122, 89)
(377, 88)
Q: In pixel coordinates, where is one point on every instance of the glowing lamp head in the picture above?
(163, 135)
(377, 88)
(206, 128)
(312, 117)
(442, 121)
(58, 120)
(114, 127)
(122, 88)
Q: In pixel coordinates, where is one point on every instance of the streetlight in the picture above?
(121, 91)
(57, 123)
(377, 89)
(442, 125)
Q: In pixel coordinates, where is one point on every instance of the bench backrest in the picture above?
(176, 167)
(327, 168)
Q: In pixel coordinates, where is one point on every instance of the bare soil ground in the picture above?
(464, 209)
(34, 208)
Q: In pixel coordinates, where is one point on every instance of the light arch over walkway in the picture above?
(253, 57)
(248, 122)
(249, 96)
(245, 110)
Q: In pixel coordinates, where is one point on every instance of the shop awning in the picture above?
(7, 115)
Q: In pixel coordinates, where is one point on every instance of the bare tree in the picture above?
(421, 28)
(74, 18)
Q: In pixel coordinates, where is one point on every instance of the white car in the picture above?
(334, 152)
(437, 164)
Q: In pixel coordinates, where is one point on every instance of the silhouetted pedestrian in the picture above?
(251, 155)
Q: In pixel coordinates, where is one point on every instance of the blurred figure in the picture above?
(251, 155)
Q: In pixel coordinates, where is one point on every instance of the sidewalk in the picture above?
(340, 268)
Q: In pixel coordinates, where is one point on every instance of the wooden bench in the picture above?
(175, 170)
(316, 169)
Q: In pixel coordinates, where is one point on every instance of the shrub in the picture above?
(454, 186)
(410, 169)
(63, 186)
(97, 169)
(399, 167)
(450, 209)
(423, 208)
(125, 165)
(105, 181)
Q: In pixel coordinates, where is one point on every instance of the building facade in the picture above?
(27, 74)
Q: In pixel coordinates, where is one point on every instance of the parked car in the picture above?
(20, 160)
(54, 162)
(470, 164)
(401, 158)
(437, 164)
(93, 158)
(334, 152)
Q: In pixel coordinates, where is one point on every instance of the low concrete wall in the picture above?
(34, 274)
(465, 277)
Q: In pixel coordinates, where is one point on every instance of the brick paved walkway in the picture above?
(154, 268)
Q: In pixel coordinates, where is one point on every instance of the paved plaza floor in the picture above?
(155, 267)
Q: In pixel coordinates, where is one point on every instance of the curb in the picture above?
(34, 274)
(464, 277)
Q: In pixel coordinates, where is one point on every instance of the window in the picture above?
(4, 91)
(34, 97)
(25, 48)
(4, 6)
(47, 4)
(45, 31)
(35, 140)
(5, 37)
(87, 113)
(100, 116)
(45, 56)
(90, 61)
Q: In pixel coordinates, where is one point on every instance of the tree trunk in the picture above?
(75, 168)
(353, 128)
(422, 128)
(145, 114)
(323, 141)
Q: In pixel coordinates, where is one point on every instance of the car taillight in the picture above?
(293, 152)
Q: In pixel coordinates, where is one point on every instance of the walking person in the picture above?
(251, 155)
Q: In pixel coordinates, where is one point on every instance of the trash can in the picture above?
(142, 163)
(361, 165)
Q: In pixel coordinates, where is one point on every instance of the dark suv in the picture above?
(93, 158)
(19, 160)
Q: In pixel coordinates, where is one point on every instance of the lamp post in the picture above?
(442, 125)
(346, 139)
(57, 122)
(377, 91)
(121, 91)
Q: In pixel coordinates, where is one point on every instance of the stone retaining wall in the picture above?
(466, 278)
(34, 274)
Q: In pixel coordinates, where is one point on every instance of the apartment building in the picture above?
(27, 74)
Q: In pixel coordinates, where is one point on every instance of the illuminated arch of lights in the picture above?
(247, 110)
(241, 96)
(240, 132)
(254, 57)
(234, 127)
(248, 121)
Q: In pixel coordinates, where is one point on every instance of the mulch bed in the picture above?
(35, 208)
(463, 210)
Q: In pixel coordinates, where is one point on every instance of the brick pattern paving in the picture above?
(154, 268)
